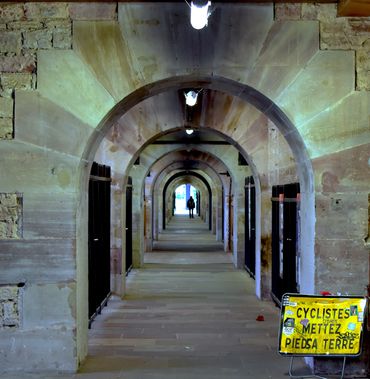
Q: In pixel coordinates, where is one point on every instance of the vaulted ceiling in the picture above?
(346, 8)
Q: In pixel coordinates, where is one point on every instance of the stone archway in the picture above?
(246, 94)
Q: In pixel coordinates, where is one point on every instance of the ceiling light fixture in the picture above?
(189, 131)
(199, 13)
(191, 98)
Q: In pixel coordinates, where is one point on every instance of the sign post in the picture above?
(329, 326)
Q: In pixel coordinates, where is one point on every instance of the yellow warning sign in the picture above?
(326, 325)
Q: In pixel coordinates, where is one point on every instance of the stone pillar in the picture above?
(137, 223)
(148, 225)
(266, 237)
(238, 227)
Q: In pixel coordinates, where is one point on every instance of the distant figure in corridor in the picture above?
(191, 204)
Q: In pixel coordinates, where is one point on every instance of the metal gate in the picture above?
(285, 239)
(250, 226)
(99, 238)
(129, 225)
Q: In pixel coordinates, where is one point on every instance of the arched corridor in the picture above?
(187, 313)
(96, 135)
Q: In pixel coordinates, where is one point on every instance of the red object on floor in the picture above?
(260, 318)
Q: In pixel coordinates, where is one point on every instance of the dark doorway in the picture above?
(99, 238)
(223, 215)
(250, 226)
(197, 202)
(129, 225)
(285, 238)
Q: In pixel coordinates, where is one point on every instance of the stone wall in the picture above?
(10, 306)
(336, 33)
(52, 131)
(29, 27)
(10, 216)
(26, 28)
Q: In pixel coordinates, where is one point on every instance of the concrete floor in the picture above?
(188, 314)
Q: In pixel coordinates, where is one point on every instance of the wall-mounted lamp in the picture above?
(199, 13)
(191, 98)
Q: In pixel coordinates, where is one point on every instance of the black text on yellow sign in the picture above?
(326, 325)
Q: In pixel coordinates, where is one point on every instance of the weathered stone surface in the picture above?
(328, 78)
(10, 216)
(10, 42)
(93, 11)
(46, 10)
(48, 304)
(10, 303)
(8, 293)
(62, 37)
(336, 211)
(10, 314)
(6, 128)
(345, 126)
(25, 25)
(82, 94)
(363, 67)
(38, 39)
(344, 172)
(13, 81)
(48, 349)
(359, 26)
(274, 69)
(62, 24)
(18, 63)
(38, 170)
(340, 266)
(43, 123)
(107, 59)
(10, 12)
(287, 11)
(309, 11)
(333, 35)
(45, 216)
(38, 261)
(6, 107)
(327, 12)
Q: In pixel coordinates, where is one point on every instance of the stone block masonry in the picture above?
(32, 26)
(336, 33)
(25, 29)
(10, 306)
(11, 205)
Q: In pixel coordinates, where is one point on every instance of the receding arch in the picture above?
(188, 173)
(233, 88)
